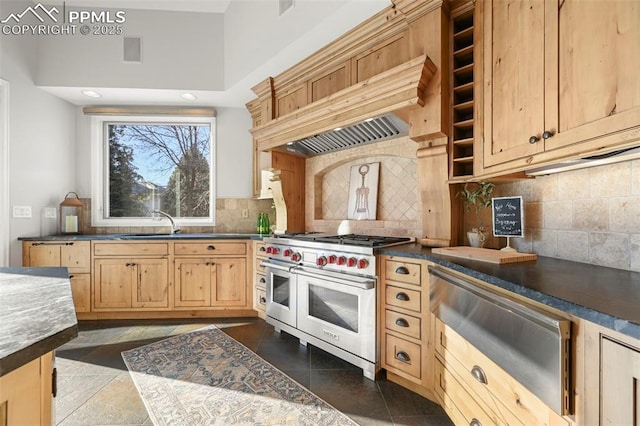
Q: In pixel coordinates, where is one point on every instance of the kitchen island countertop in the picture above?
(36, 314)
(605, 296)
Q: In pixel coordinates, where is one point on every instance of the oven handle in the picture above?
(286, 268)
(358, 282)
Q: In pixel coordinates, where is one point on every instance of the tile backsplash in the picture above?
(590, 215)
(228, 218)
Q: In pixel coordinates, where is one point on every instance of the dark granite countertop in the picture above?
(150, 236)
(36, 314)
(605, 296)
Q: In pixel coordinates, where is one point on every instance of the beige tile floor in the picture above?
(94, 386)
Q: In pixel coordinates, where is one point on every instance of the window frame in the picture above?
(100, 167)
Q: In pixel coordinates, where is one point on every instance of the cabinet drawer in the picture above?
(261, 281)
(403, 356)
(402, 323)
(261, 299)
(260, 250)
(404, 272)
(403, 298)
(458, 403)
(210, 248)
(259, 268)
(468, 363)
(129, 249)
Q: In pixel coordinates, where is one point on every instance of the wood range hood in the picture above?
(372, 110)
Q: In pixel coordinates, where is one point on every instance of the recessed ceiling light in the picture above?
(338, 129)
(188, 96)
(91, 93)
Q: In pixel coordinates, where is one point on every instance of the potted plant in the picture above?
(476, 199)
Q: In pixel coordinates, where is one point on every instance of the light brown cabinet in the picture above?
(130, 276)
(26, 393)
(211, 275)
(406, 348)
(75, 255)
(211, 282)
(620, 391)
(131, 283)
(559, 78)
(259, 279)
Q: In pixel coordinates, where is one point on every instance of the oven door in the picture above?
(281, 292)
(338, 310)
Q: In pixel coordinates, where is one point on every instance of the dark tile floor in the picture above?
(94, 386)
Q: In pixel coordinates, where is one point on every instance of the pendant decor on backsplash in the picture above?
(363, 191)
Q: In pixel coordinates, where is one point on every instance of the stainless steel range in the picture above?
(322, 289)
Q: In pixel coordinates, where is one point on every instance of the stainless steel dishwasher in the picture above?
(531, 345)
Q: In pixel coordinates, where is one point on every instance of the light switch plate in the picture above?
(22, 211)
(50, 212)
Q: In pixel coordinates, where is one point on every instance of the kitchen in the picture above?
(561, 208)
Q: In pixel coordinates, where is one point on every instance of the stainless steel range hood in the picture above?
(371, 130)
(580, 163)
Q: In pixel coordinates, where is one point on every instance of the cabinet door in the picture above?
(81, 291)
(514, 76)
(620, 391)
(151, 286)
(598, 58)
(193, 283)
(113, 283)
(229, 287)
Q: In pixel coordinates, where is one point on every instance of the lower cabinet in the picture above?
(406, 349)
(81, 291)
(259, 279)
(26, 393)
(210, 282)
(131, 283)
(620, 391)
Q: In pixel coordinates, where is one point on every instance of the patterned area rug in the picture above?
(208, 378)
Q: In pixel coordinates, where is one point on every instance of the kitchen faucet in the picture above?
(174, 228)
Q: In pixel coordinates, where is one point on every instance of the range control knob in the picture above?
(270, 250)
(362, 263)
(321, 261)
(296, 257)
(351, 262)
(274, 250)
(341, 260)
(332, 258)
(287, 252)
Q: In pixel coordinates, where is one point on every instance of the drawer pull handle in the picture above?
(211, 247)
(478, 374)
(402, 270)
(402, 296)
(401, 322)
(263, 281)
(71, 277)
(533, 139)
(263, 300)
(262, 248)
(475, 422)
(403, 356)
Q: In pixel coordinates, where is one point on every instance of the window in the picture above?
(146, 164)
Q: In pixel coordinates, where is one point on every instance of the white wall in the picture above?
(234, 177)
(180, 50)
(41, 138)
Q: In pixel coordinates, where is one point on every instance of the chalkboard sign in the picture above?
(507, 217)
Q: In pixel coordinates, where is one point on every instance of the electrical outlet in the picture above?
(245, 213)
(50, 212)
(22, 211)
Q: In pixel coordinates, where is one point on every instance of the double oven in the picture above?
(322, 289)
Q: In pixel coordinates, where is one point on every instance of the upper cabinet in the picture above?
(558, 74)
